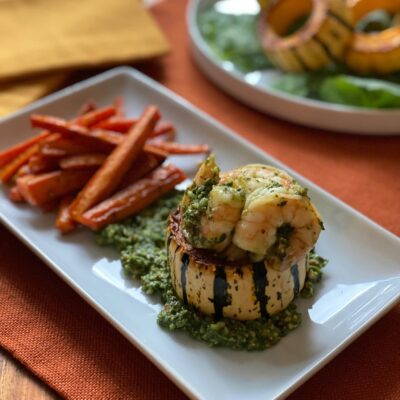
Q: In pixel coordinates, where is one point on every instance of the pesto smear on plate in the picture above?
(141, 243)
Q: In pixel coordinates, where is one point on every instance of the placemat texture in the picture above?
(46, 326)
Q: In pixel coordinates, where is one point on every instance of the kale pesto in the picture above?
(141, 243)
(195, 201)
(278, 250)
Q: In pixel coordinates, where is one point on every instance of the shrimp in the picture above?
(224, 208)
(280, 227)
(256, 211)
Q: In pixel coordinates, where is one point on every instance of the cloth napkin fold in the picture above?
(48, 36)
(15, 95)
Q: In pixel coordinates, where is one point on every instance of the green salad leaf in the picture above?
(296, 84)
(361, 92)
(234, 38)
(342, 89)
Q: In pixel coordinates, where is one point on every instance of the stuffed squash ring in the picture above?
(322, 39)
(243, 291)
(375, 52)
(239, 241)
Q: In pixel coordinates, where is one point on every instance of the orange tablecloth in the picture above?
(68, 345)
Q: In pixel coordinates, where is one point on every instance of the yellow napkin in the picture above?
(42, 36)
(18, 94)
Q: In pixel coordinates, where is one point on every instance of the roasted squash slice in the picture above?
(319, 42)
(243, 291)
(374, 52)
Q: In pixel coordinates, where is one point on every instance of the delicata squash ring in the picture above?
(322, 40)
(374, 52)
(239, 290)
(239, 241)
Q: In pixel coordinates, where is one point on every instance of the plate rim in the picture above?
(170, 372)
(203, 50)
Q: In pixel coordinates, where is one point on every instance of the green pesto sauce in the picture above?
(195, 202)
(141, 243)
(277, 252)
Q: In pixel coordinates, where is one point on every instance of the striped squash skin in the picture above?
(375, 52)
(243, 292)
(320, 42)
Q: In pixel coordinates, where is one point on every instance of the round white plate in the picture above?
(254, 90)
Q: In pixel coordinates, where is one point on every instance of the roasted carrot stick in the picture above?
(41, 189)
(122, 125)
(64, 222)
(15, 195)
(99, 140)
(88, 119)
(179, 148)
(165, 137)
(59, 125)
(93, 117)
(80, 161)
(87, 107)
(64, 147)
(109, 175)
(50, 206)
(111, 138)
(11, 168)
(23, 170)
(9, 154)
(163, 129)
(142, 166)
(37, 164)
(134, 198)
(119, 104)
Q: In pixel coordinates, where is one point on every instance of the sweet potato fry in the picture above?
(142, 166)
(134, 198)
(15, 195)
(179, 148)
(109, 175)
(41, 189)
(12, 168)
(9, 154)
(64, 222)
(80, 161)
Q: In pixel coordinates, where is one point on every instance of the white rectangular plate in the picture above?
(361, 283)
